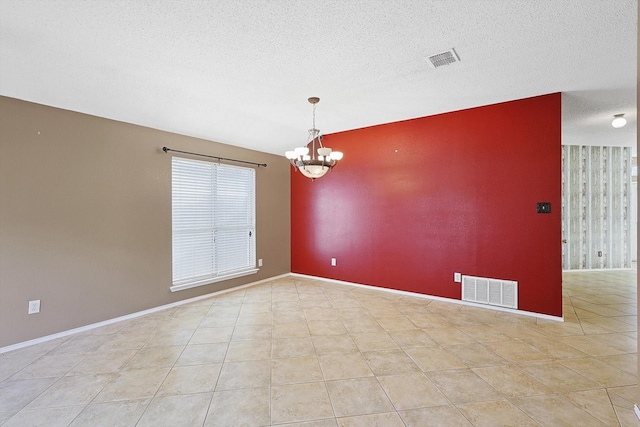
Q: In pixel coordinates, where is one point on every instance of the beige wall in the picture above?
(85, 218)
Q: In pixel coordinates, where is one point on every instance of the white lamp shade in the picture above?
(337, 155)
(301, 151)
(324, 151)
(313, 171)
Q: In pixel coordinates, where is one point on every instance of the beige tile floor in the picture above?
(299, 352)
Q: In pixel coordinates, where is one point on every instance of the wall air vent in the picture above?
(503, 293)
(443, 58)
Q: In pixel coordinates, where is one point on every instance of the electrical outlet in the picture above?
(260, 262)
(34, 307)
(599, 253)
(457, 277)
(333, 262)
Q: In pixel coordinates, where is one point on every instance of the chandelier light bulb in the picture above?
(618, 121)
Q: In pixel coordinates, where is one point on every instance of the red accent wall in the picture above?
(412, 202)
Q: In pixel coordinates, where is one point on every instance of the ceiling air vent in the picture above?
(443, 58)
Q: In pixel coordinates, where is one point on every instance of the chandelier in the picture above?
(313, 160)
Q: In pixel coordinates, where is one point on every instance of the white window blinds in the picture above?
(213, 216)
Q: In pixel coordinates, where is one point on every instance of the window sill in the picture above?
(182, 287)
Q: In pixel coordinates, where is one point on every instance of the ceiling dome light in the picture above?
(618, 121)
(311, 162)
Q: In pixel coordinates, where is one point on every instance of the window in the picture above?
(213, 217)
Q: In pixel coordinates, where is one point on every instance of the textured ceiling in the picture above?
(240, 72)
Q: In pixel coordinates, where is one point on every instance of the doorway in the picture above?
(598, 208)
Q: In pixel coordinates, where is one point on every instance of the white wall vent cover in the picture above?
(443, 58)
(503, 293)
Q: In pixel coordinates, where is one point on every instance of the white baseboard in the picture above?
(131, 316)
(433, 297)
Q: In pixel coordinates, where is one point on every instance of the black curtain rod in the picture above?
(166, 150)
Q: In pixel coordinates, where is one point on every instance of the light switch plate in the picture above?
(543, 207)
(457, 277)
